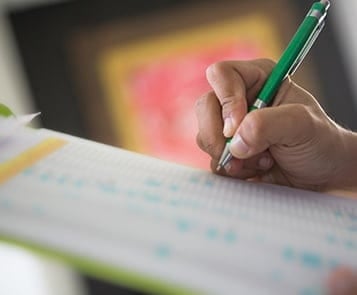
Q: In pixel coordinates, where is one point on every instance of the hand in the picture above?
(291, 143)
(343, 281)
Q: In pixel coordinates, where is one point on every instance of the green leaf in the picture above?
(5, 111)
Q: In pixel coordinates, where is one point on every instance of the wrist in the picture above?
(345, 177)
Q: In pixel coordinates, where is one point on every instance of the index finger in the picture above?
(236, 84)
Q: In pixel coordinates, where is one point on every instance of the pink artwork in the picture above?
(163, 93)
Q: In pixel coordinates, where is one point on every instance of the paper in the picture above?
(176, 224)
(8, 125)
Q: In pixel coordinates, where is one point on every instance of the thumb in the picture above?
(288, 125)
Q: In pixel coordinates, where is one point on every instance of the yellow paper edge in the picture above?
(29, 157)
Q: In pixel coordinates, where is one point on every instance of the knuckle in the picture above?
(228, 103)
(204, 101)
(200, 102)
(265, 66)
(302, 114)
(211, 149)
(302, 118)
(256, 126)
(263, 74)
(269, 63)
(215, 70)
(208, 145)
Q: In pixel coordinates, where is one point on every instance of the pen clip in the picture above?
(307, 47)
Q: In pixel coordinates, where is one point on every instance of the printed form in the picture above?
(153, 224)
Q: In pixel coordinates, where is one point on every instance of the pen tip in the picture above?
(219, 167)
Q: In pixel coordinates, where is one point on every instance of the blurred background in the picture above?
(127, 73)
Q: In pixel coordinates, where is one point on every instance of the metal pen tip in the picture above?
(225, 158)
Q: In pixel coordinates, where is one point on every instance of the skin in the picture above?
(292, 143)
(310, 152)
(342, 281)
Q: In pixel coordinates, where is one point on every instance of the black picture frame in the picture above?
(40, 33)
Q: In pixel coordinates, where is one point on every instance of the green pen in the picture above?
(288, 63)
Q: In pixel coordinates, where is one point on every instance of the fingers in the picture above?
(210, 138)
(236, 84)
(343, 282)
(274, 176)
(289, 125)
(249, 168)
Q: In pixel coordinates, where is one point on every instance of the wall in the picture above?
(344, 15)
(14, 91)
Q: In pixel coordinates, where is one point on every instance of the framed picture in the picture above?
(148, 86)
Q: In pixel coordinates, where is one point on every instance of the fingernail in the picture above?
(228, 167)
(228, 127)
(238, 147)
(265, 163)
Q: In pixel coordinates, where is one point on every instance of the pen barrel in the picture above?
(288, 58)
